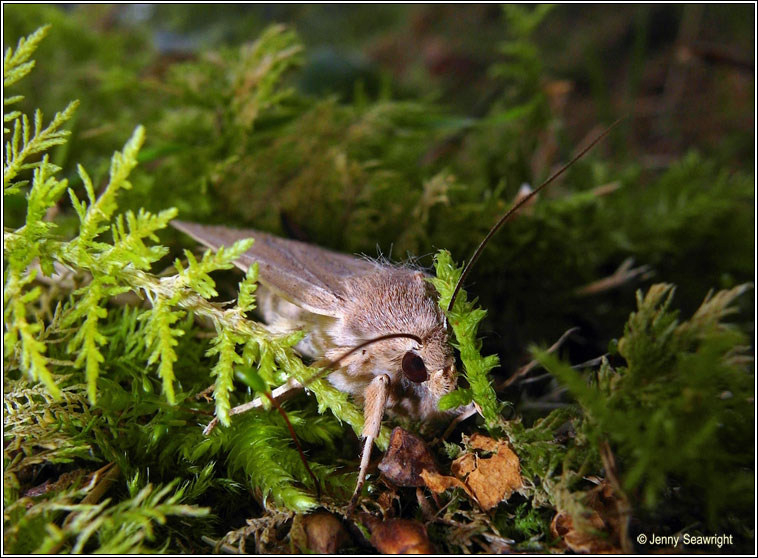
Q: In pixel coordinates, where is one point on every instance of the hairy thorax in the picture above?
(399, 300)
(393, 300)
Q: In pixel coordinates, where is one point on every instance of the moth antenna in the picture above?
(332, 364)
(518, 205)
(297, 442)
(278, 407)
(329, 366)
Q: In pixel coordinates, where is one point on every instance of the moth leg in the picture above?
(375, 399)
(282, 393)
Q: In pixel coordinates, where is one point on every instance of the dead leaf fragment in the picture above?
(482, 442)
(387, 499)
(495, 478)
(582, 540)
(439, 483)
(487, 480)
(401, 536)
(406, 458)
(593, 532)
(464, 465)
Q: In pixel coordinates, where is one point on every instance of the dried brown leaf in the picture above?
(491, 479)
(487, 480)
(482, 442)
(439, 483)
(597, 530)
(464, 465)
(406, 458)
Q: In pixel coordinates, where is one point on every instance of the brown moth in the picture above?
(380, 324)
(341, 302)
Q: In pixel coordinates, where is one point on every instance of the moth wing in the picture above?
(308, 276)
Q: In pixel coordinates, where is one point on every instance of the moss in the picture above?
(114, 334)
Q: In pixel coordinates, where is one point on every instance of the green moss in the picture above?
(677, 396)
(109, 349)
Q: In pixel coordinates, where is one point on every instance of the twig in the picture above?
(524, 370)
(218, 545)
(99, 483)
(205, 394)
(605, 189)
(719, 54)
(278, 394)
(623, 274)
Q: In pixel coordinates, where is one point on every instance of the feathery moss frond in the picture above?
(33, 360)
(129, 245)
(45, 192)
(161, 336)
(88, 337)
(262, 448)
(96, 217)
(196, 275)
(111, 528)
(256, 79)
(17, 64)
(42, 429)
(24, 143)
(247, 288)
(225, 346)
(679, 395)
(464, 319)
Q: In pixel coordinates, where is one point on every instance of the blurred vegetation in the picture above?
(406, 129)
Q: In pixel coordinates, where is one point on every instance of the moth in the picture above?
(343, 301)
(381, 324)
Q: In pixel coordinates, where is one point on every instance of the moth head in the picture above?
(427, 361)
(431, 363)
(426, 370)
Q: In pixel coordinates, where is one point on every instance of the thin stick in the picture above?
(524, 370)
(623, 509)
(622, 275)
(279, 394)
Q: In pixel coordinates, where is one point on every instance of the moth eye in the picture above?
(413, 367)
